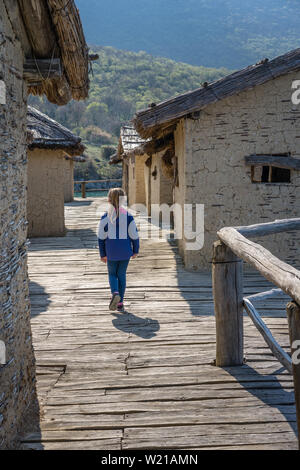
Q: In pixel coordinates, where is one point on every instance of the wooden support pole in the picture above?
(228, 300)
(83, 190)
(293, 314)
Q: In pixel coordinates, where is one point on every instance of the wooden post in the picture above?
(83, 190)
(228, 300)
(293, 314)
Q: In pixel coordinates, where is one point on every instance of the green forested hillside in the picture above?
(213, 33)
(122, 82)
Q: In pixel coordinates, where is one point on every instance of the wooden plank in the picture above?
(269, 228)
(65, 436)
(103, 444)
(276, 271)
(270, 294)
(278, 161)
(99, 375)
(276, 349)
(209, 441)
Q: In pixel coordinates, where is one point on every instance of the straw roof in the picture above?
(162, 118)
(129, 139)
(81, 159)
(115, 159)
(131, 144)
(54, 31)
(49, 134)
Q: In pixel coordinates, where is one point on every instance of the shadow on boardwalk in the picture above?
(273, 395)
(195, 286)
(127, 322)
(39, 299)
(78, 203)
(267, 388)
(74, 239)
(121, 391)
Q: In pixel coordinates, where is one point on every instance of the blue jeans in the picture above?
(117, 276)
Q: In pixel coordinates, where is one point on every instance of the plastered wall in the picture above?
(212, 170)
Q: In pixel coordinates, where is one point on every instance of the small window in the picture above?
(280, 175)
(270, 174)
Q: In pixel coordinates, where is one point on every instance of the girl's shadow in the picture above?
(145, 328)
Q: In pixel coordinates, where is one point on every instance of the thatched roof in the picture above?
(81, 159)
(52, 30)
(162, 118)
(115, 159)
(129, 139)
(49, 134)
(131, 144)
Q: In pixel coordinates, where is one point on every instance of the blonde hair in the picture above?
(114, 196)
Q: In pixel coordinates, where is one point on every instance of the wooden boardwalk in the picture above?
(146, 379)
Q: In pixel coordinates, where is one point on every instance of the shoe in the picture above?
(115, 300)
(120, 307)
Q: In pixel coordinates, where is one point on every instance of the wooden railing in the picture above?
(229, 253)
(84, 189)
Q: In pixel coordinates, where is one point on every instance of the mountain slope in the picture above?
(213, 33)
(122, 82)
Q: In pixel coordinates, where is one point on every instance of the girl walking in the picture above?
(118, 243)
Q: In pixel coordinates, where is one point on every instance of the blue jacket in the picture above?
(115, 242)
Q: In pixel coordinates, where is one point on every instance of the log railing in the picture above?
(85, 190)
(229, 253)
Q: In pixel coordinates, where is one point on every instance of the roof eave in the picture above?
(153, 121)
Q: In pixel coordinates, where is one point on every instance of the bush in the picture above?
(108, 151)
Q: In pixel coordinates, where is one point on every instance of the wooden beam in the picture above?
(269, 294)
(98, 181)
(37, 70)
(38, 25)
(276, 349)
(293, 314)
(158, 145)
(279, 161)
(228, 300)
(276, 271)
(269, 228)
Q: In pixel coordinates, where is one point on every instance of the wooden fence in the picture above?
(85, 190)
(229, 253)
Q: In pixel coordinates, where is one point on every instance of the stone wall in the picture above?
(46, 183)
(181, 147)
(161, 187)
(211, 152)
(136, 181)
(69, 180)
(17, 377)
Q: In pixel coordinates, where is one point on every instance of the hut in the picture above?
(146, 179)
(69, 176)
(236, 152)
(50, 174)
(42, 51)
